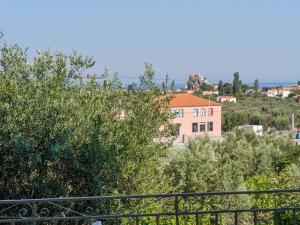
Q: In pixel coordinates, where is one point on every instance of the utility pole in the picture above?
(293, 122)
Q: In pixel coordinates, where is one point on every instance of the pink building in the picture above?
(195, 116)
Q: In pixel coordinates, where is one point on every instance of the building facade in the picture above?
(195, 116)
(226, 99)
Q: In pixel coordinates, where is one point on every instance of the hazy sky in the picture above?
(258, 38)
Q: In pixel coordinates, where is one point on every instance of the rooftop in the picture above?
(186, 100)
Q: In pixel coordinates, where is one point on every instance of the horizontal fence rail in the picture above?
(237, 207)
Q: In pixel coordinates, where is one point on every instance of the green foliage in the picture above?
(60, 137)
(221, 88)
(297, 91)
(173, 87)
(243, 161)
(258, 119)
(206, 87)
(228, 89)
(269, 112)
(236, 84)
(282, 122)
(233, 119)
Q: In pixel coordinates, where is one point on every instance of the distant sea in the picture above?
(180, 85)
(275, 84)
(261, 84)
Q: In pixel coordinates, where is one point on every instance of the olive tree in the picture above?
(61, 136)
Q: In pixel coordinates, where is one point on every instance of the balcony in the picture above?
(239, 207)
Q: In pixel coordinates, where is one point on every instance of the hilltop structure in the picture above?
(195, 81)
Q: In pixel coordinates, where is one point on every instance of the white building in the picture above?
(284, 93)
(257, 129)
(226, 99)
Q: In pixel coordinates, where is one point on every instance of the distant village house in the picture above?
(195, 116)
(207, 93)
(226, 99)
(278, 92)
(257, 129)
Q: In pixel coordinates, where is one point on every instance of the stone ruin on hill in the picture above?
(195, 81)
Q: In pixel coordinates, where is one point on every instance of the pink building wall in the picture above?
(188, 119)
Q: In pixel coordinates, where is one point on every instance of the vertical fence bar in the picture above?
(255, 217)
(137, 214)
(197, 219)
(176, 210)
(34, 212)
(157, 220)
(275, 217)
(236, 219)
(294, 217)
(216, 218)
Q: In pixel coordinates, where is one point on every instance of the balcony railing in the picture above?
(238, 207)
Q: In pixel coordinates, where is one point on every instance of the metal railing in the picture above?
(238, 207)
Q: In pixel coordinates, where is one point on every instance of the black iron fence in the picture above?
(239, 207)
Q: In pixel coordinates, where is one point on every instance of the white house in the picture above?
(280, 92)
(257, 129)
(226, 99)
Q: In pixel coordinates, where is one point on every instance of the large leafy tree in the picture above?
(243, 161)
(61, 136)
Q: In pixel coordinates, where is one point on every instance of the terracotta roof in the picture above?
(186, 100)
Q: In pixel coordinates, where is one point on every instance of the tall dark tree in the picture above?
(221, 88)
(228, 89)
(165, 84)
(256, 85)
(236, 84)
(173, 86)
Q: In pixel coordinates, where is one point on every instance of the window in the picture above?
(202, 112)
(194, 127)
(202, 127)
(210, 126)
(178, 112)
(195, 112)
(210, 112)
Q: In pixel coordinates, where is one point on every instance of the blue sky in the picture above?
(258, 38)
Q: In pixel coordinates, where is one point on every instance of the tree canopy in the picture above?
(61, 136)
(257, 110)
